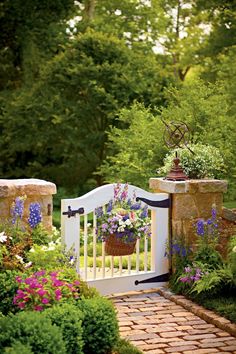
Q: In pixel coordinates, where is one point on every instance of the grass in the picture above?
(230, 205)
(222, 304)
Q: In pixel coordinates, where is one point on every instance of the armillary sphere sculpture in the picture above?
(177, 134)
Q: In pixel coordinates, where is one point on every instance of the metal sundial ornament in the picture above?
(177, 134)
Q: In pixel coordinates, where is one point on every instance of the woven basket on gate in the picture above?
(114, 246)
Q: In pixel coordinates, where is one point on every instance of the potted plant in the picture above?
(122, 222)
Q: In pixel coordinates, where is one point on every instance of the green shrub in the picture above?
(32, 329)
(18, 348)
(205, 162)
(100, 325)
(125, 347)
(8, 287)
(69, 319)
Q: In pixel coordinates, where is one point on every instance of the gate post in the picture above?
(191, 200)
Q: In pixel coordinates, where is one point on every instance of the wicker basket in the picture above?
(116, 247)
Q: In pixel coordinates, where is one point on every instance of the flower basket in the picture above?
(121, 222)
(115, 246)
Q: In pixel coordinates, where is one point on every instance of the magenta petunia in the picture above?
(45, 300)
(41, 292)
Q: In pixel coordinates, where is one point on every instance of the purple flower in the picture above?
(213, 213)
(109, 206)
(99, 212)
(124, 193)
(144, 213)
(17, 209)
(35, 216)
(135, 206)
(185, 279)
(200, 227)
(188, 269)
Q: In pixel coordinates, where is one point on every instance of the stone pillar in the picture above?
(35, 190)
(191, 200)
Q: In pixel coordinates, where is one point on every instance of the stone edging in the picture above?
(200, 311)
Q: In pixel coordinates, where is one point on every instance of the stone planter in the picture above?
(191, 200)
(35, 190)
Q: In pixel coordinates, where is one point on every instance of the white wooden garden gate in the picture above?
(116, 274)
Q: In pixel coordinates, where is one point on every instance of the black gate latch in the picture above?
(71, 212)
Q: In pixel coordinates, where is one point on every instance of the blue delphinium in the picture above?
(17, 209)
(35, 216)
(200, 228)
(99, 212)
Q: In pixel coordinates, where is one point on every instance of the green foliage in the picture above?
(214, 281)
(39, 235)
(18, 348)
(69, 319)
(125, 347)
(100, 325)
(31, 329)
(138, 148)
(197, 160)
(8, 287)
(232, 256)
(208, 255)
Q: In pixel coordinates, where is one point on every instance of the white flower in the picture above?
(51, 246)
(121, 229)
(234, 249)
(29, 264)
(3, 237)
(19, 258)
(128, 222)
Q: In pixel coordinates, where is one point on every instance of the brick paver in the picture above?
(158, 325)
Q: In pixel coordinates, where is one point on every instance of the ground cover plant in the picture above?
(204, 275)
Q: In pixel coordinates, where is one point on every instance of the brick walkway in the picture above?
(158, 325)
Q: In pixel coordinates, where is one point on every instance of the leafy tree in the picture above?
(57, 128)
(27, 27)
(138, 150)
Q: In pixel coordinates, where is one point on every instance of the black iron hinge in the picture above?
(157, 279)
(156, 203)
(71, 212)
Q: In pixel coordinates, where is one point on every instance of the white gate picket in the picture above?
(113, 280)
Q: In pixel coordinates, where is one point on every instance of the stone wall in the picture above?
(35, 190)
(191, 200)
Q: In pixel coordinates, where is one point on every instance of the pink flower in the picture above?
(54, 274)
(76, 282)
(58, 282)
(40, 273)
(41, 292)
(44, 280)
(38, 308)
(21, 305)
(20, 294)
(18, 279)
(45, 300)
(57, 292)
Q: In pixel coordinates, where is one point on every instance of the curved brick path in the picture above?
(158, 325)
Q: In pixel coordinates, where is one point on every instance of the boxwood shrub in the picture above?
(69, 318)
(100, 325)
(34, 331)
